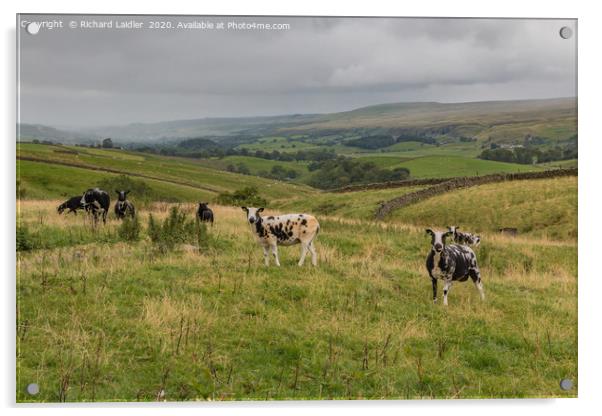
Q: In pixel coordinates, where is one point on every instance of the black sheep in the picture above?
(72, 204)
(204, 213)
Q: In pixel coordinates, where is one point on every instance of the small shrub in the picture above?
(129, 230)
(24, 239)
(174, 230)
(247, 196)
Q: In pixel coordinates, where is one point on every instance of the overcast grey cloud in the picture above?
(91, 77)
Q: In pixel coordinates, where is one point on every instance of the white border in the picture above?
(590, 132)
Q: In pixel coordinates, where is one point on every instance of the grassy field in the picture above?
(43, 181)
(539, 208)
(438, 166)
(565, 164)
(103, 320)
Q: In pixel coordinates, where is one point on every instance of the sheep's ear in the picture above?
(260, 210)
(116, 191)
(127, 192)
(447, 234)
(245, 209)
(429, 231)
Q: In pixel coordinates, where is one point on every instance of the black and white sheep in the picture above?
(123, 207)
(204, 213)
(463, 238)
(96, 202)
(285, 230)
(451, 263)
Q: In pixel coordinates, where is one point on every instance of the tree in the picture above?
(107, 143)
(244, 169)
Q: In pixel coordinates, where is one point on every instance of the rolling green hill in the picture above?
(50, 181)
(500, 121)
(545, 208)
(186, 172)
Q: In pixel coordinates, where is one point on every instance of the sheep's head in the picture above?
(454, 229)
(252, 214)
(438, 239)
(122, 195)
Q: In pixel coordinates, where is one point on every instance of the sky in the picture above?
(84, 77)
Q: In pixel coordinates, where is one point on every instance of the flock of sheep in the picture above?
(449, 262)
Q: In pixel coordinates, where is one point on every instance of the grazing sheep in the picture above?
(467, 239)
(123, 207)
(204, 213)
(284, 230)
(451, 263)
(72, 204)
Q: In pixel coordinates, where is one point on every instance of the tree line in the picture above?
(527, 155)
(344, 171)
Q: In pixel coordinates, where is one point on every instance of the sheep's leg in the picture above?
(266, 256)
(475, 275)
(275, 253)
(446, 287)
(434, 282)
(304, 248)
(314, 255)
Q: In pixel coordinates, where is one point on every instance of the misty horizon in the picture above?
(226, 117)
(84, 78)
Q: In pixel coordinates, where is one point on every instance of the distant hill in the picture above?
(490, 120)
(41, 132)
(555, 118)
(178, 129)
